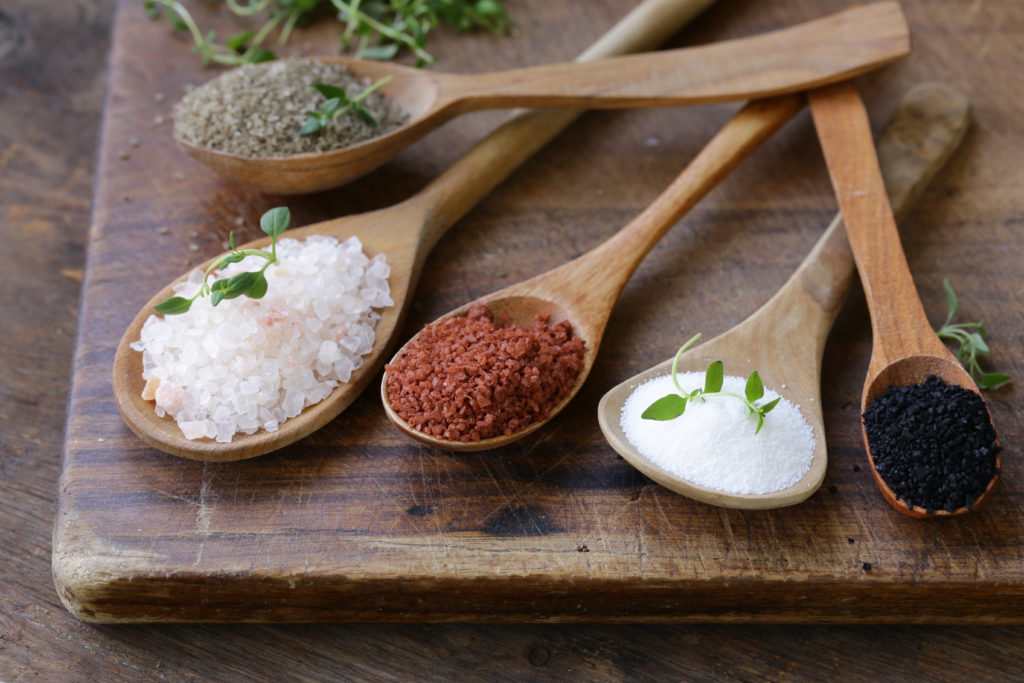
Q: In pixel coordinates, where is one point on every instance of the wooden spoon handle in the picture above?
(494, 158)
(593, 281)
(899, 324)
(927, 127)
(827, 50)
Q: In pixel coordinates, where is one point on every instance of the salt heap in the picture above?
(251, 363)
(713, 443)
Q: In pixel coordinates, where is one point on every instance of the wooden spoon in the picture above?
(584, 290)
(405, 233)
(785, 338)
(905, 348)
(827, 50)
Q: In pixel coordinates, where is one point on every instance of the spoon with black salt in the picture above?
(793, 59)
(929, 438)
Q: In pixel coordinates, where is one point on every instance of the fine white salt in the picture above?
(712, 444)
(247, 364)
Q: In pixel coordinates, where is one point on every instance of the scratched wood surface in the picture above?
(356, 523)
(48, 132)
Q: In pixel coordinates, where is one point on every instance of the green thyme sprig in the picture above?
(385, 28)
(241, 48)
(671, 406)
(339, 103)
(252, 284)
(971, 340)
(374, 29)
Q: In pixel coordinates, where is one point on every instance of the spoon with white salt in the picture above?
(826, 50)
(784, 340)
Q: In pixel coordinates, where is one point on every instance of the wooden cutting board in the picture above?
(357, 523)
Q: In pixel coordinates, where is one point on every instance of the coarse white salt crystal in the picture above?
(193, 429)
(713, 444)
(252, 363)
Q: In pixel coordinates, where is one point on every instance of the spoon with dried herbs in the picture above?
(404, 234)
(808, 55)
(927, 432)
(783, 341)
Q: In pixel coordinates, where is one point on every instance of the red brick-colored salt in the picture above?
(468, 379)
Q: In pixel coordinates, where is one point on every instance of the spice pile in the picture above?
(714, 443)
(258, 110)
(468, 379)
(933, 444)
(251, 363)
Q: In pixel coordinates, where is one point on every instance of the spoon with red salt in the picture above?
(583, 291)
(793, 59)
(785, 338)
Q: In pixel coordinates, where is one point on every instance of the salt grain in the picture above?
(251, 363)
(713, 444)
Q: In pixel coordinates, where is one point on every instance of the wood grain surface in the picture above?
(356, 523)
(968, 221)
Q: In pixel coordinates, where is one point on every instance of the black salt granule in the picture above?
(932, 443)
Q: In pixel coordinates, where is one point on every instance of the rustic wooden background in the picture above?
(52, 65)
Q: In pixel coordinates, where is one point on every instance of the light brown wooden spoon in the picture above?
(405, 233)
(785, 338)
(584, 290)
(905, 349)
(827, 50)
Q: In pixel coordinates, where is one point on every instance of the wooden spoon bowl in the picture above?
(522, 308)
(905, 350)
(797, 58)
(415, 91)
(794, 376)
(163, 433)
(584, 291)
(915, 370)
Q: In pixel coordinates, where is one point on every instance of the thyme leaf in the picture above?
(671, 406)
(332, 108)
(970, 338)
(252, 284)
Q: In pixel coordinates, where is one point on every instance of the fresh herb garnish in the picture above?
(252, 284)
(374, 29)
(242, 48)
(971, 338)
(671, 406)
(338, 103)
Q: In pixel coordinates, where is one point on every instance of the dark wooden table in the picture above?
(52, 66)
